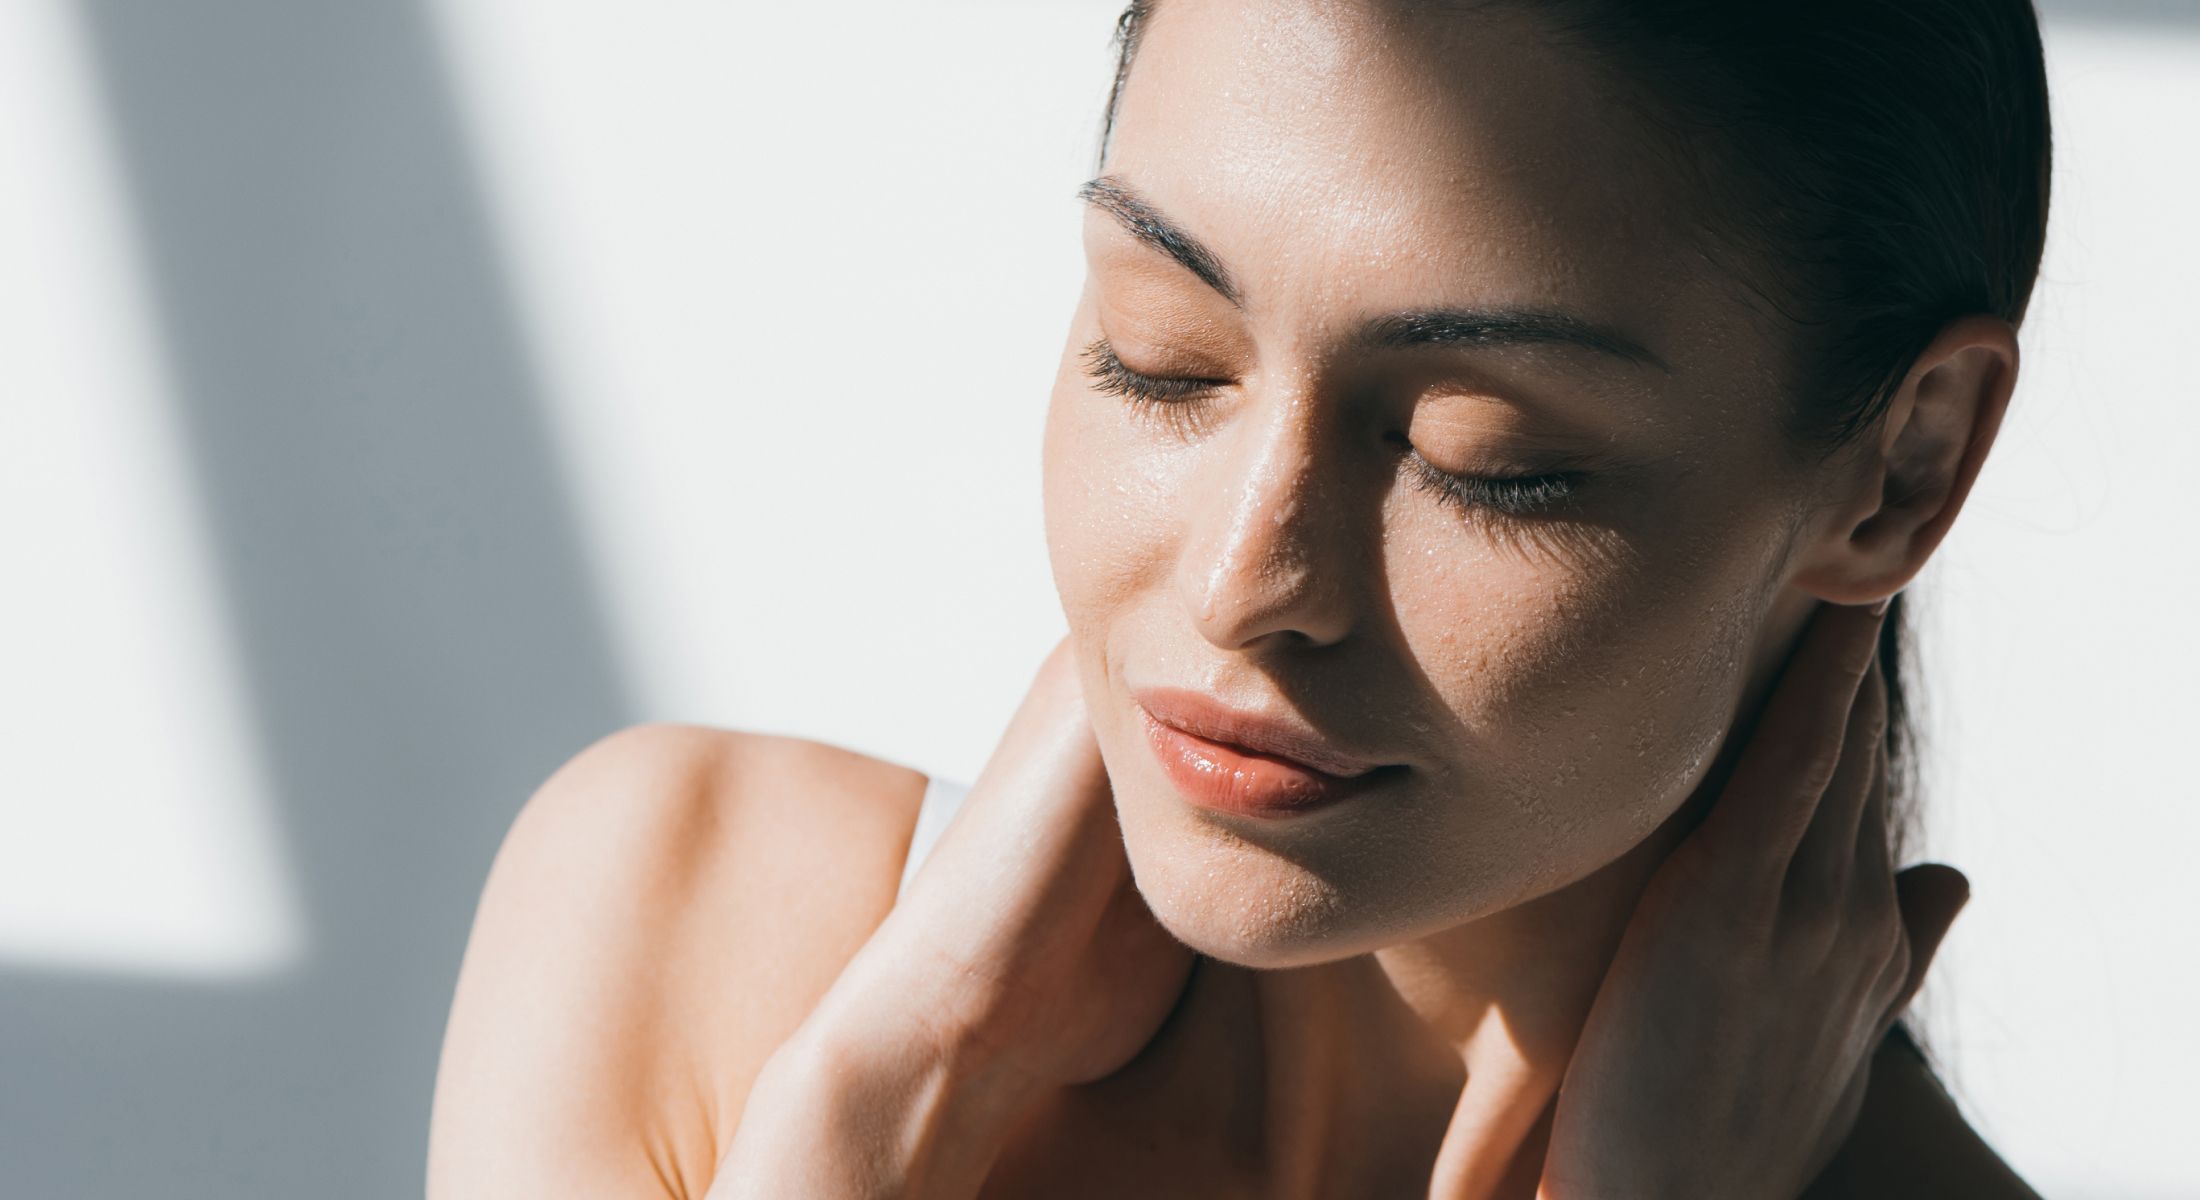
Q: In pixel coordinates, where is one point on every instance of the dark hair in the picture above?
(1882, 164)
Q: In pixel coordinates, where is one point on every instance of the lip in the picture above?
(1246, 762)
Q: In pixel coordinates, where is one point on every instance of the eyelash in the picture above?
(1183, 405)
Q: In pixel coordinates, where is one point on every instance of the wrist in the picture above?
(952, 1088)
(845, 1112)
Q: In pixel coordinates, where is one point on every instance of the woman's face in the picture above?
(1434, 248)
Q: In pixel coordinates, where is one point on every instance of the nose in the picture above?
(1269, 554)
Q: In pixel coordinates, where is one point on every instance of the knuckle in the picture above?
(1820, 885)
(1899, 952)
(1816, 772)
(1894, 969)
(1881, 940)
(1878, 913)
(1811, 910)
(1875, 723)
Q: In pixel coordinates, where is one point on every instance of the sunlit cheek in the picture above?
(1108, 510)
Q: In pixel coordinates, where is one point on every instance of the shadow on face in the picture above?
(1402, 398)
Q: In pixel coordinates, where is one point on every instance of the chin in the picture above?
(1249, 905)
(1266, 937)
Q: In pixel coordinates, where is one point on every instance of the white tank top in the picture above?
(941, 798)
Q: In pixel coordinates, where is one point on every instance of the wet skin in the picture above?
(1364, 248)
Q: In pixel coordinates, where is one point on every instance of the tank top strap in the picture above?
(941, 798)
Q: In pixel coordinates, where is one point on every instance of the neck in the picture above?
(1437, 1060)
(1429, 1067)
(1474, 1024)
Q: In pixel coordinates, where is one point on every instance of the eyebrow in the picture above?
(1497, 327)
(1506, 327)
(1145, 222)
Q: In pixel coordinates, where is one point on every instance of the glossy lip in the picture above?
(1244, 776)
(1275, 737)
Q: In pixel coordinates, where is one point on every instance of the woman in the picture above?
(1484, 453)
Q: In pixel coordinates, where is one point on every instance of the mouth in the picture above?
(1246, 763)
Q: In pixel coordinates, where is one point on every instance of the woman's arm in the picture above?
(1022, 960)
(636, 959)
(832, 1116)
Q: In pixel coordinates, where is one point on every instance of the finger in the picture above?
(1931, 895)
(1826, 858)
(1871, 850)
(1870, 808)
(1795, 749)
(1048, 757)
(1874, 902)
(1043, 799)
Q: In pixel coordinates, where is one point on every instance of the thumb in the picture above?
(1930, 895)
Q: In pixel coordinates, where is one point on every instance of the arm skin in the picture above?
(632, 993)
(829, 1118)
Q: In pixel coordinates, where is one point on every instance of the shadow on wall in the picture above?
(422, 638)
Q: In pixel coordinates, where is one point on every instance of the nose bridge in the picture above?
(1269, 556)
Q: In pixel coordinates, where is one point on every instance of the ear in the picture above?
(1905, 481)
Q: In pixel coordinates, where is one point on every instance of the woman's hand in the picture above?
(1727, 1051)
(1021, 959)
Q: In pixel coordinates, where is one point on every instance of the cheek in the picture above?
(1106, 506)
(1563, 692)
(1561, 706)
(1586, 689)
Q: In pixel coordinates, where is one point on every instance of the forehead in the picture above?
(1402, 152)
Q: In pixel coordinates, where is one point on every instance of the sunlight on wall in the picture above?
(137, 831)
(800, 296)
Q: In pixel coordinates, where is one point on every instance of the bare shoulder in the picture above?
(1913, 1141)
(663, 912)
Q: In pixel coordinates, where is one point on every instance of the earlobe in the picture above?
(1919, 465)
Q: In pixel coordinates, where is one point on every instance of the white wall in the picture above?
(769, 262)
(2064, 657)
(667, 268)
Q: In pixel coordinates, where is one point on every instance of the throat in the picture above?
(1307, 1083)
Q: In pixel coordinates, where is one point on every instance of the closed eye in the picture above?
(1185, 405)
(1182, 403)
(1505, 495)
